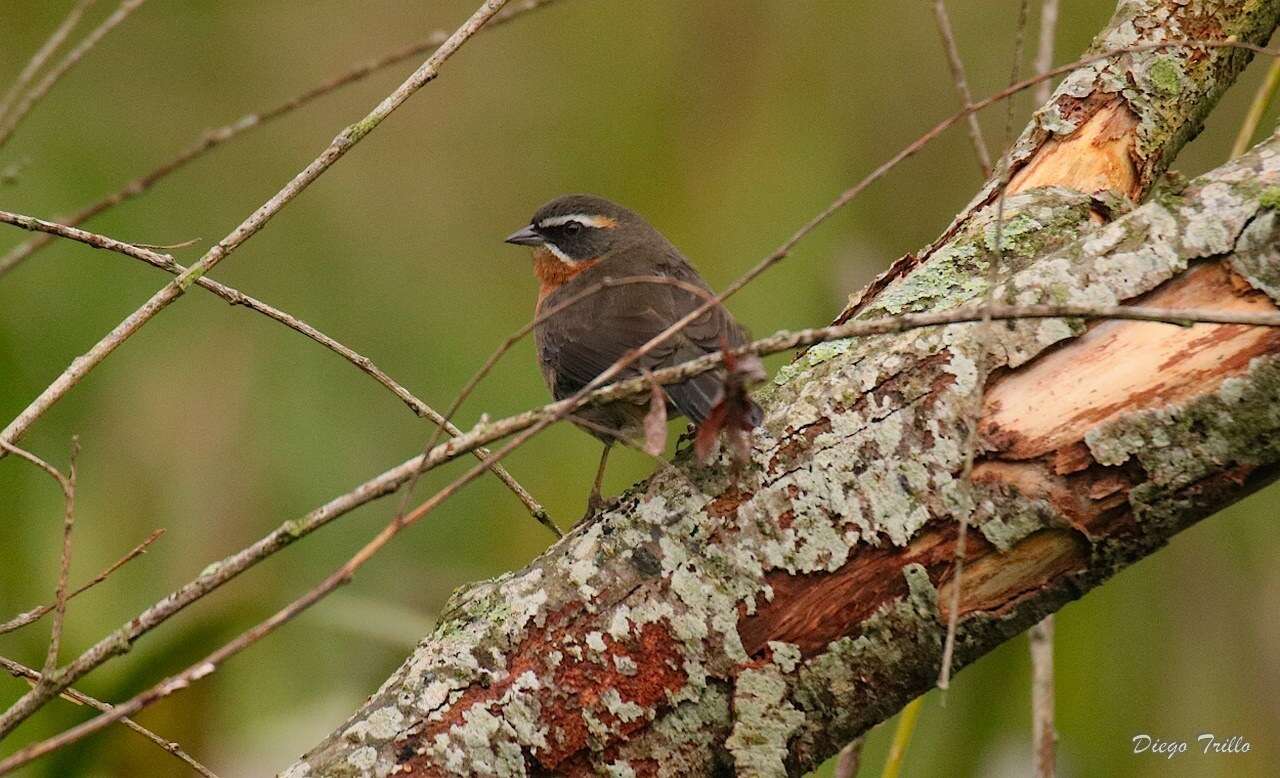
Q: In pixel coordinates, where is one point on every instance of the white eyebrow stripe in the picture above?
(586, 219)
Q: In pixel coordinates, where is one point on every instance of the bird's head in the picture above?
(581, 228)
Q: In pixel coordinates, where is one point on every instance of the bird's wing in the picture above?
(585, 339)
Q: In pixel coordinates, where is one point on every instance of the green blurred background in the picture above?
(727, 123)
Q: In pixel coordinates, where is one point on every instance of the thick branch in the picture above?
(758, 623)
(768, 620)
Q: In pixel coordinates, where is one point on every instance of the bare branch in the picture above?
(344, 141)
(1257, 109)
(10, 122)
(983, 361)
(212, 138)
(64, 561)
(352, 135)
(1044, 53)
(52, 471)
(962, 85)
(1043, 737)
(18, 670)
(35, 614)
(42, 54)
(235, 297)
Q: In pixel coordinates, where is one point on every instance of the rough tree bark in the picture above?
(708, 623)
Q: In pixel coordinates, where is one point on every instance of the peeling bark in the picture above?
(704, 624)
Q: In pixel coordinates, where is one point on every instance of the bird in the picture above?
(579, 241)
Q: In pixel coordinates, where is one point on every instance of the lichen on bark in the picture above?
(709, 622)
(639, 618)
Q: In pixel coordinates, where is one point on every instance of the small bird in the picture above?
(579, 241)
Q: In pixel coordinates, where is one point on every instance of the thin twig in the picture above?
(210, 663)
(11, 121)
(68, 484)
(1041, 635)
(902, 738)
(983, 362)
(1257, 109)
(42, 54)
(249, 227)
(345, 140)
(341, 144)
(35, 614)
(234, 297)
(389, 481)
(18, 670)
(1044, 52)
(1043, 737)
(962, 85)
(53, 472)
(212, 138)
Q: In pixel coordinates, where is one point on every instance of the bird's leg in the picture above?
(595, 502)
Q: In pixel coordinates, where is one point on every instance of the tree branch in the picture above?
(235, 297)
(842, 608)
(80, 367)
(18, 670)
(956, 64)
(761, 622)
(1043, 737)
(42, 55)
(212, 138)
(338, 148)
(11, 119)
(37, 613)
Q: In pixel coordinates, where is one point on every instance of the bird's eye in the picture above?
(572, 228)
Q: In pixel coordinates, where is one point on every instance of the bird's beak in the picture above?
(525, 236)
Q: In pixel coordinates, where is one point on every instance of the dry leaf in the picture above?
(736, 414)
(655, 421)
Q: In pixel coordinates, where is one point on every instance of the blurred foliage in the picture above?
(727, 123)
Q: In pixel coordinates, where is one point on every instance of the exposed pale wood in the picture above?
(1097, 157)
(1120, 367)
